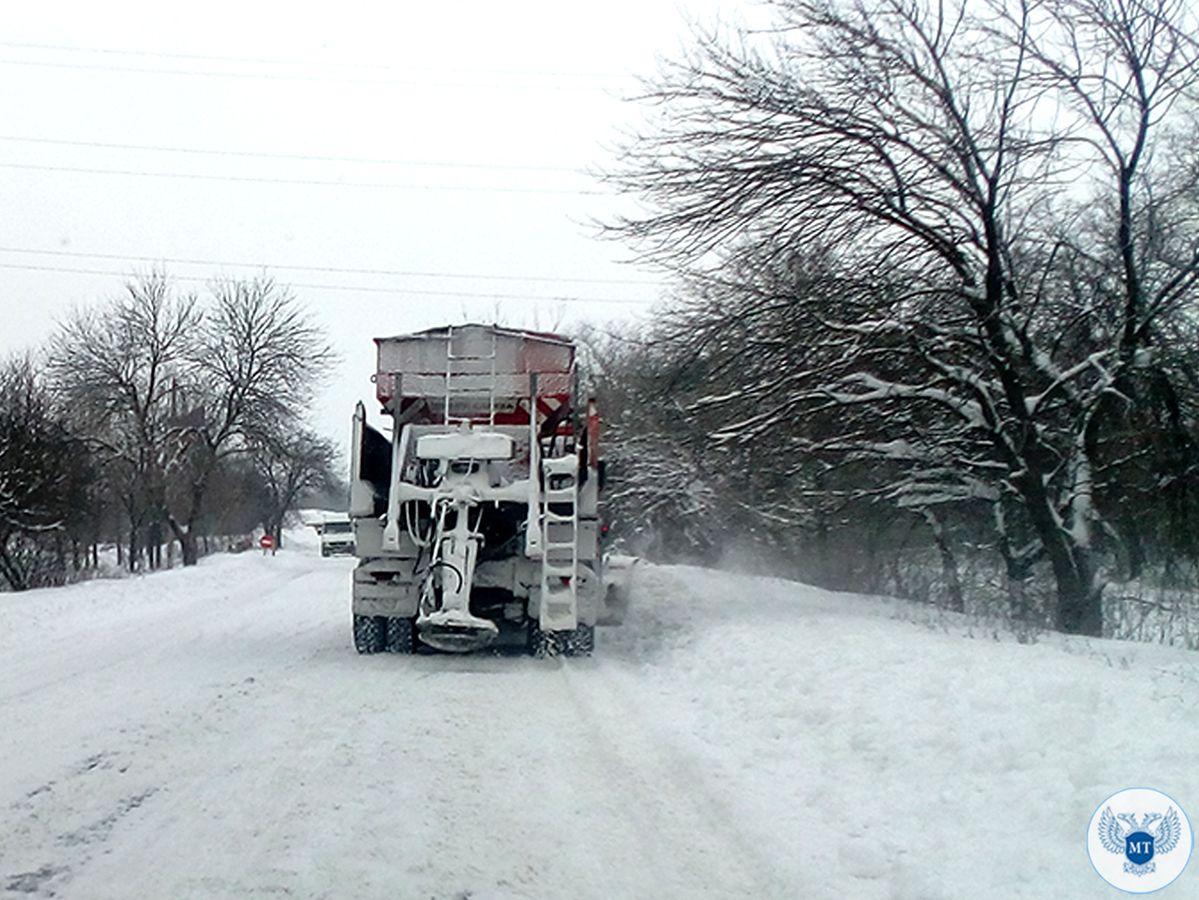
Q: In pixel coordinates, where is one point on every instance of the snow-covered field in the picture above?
(211, 734)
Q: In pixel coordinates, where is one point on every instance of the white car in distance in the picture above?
(337, 536)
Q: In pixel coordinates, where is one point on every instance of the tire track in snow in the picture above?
(135, 636)
(133, 707)
(672, 797)
(283, 763)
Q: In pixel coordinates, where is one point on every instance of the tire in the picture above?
(546, 644)
(369, 633)
(400, 635)
(581, 641)
(542, 644)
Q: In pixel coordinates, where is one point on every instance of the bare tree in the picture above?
(255, 362)
(44, 471)
(168, 388)
(906, 183)
(117, 370)
(289, 464)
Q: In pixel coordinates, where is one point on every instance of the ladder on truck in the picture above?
(559, 543)
(463, 392)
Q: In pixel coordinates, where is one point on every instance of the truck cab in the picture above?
(337, 536)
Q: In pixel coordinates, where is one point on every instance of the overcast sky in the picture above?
(442, 146)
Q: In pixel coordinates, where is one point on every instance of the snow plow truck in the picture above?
(476, 518)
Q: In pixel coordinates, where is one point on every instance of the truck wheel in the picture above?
(577, 642)
(542, 644)
(369, 633)
(401, 635)
(581, 641)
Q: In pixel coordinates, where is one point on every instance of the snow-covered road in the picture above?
(211, 734)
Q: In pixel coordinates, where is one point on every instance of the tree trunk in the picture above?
(154, 545)
(185, 534)
(1018, 571)
(1079, 608)
(1079, 595)
(187, 547)
(949, 564)
(60, 560)
(1130, 532)
(12, 573)
(1017, 592)
(820, 542)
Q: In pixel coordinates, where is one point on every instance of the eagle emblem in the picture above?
(1139, 842)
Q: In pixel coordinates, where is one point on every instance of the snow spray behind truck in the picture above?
(476, 521)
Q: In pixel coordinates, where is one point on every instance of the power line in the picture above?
(629, 301)
(487, 189)
(203, 57)
(332, 270)
(548, 82)
(296, 156)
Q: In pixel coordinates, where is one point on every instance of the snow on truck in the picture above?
(476, 520)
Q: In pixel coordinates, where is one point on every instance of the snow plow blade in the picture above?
(453, 631)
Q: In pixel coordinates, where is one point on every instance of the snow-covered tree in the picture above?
(44, 471)
(970, 221)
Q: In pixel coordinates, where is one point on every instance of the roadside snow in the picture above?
(210, 733)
